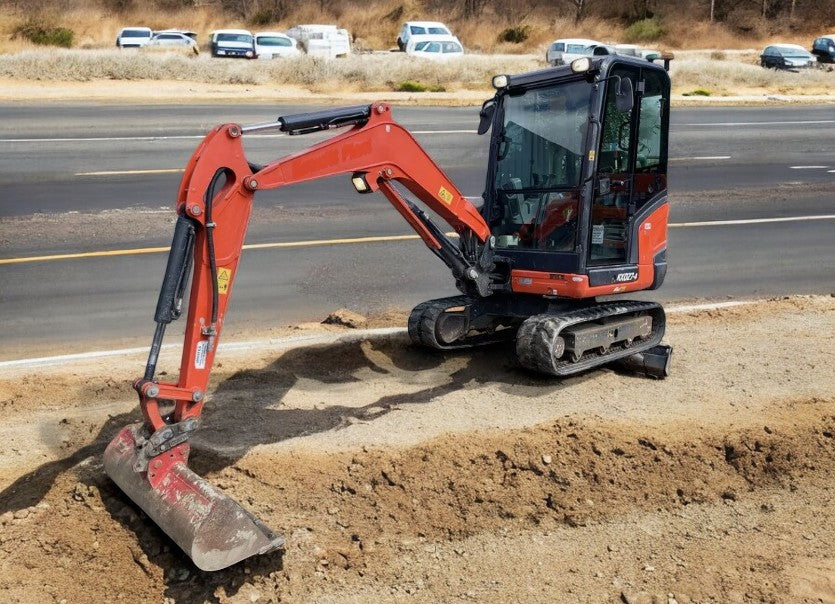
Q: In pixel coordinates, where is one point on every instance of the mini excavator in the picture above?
(574, 211)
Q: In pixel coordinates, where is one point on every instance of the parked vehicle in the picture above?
(172, 39)
(786, 56)
(133, 37)
(633, 50)
(238, 43)
(562, 52)
(440, 48)
(327, 41)
(420, 28)
(271, 44)
(824, 48)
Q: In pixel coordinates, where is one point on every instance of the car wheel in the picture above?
(400, 45)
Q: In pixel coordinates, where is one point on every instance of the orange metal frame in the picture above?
(381, 150)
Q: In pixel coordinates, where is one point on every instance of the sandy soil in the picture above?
(398, 475)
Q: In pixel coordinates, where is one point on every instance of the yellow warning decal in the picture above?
(224, 276)
(591, 155)
(445, 196)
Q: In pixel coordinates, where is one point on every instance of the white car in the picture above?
(439, 48)
(133, 37)
(232, 43)
(562, 52)
(271, 44)
(328, 41)
(420, 28)
(172, 39)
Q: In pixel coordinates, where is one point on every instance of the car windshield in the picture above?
(273, 41)
(443, 31)
(234, 38)
(417, 31)
(421, 45)
(135, 33)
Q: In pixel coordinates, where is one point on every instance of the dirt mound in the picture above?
(395, 474)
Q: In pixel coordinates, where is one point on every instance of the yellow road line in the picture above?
(251, 246)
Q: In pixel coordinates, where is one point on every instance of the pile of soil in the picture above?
(395, 474)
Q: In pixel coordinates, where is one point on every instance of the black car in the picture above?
(824, 48)
(786, 56)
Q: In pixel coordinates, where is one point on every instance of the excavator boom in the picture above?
(149, 461)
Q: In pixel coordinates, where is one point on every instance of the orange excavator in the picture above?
(574, 210)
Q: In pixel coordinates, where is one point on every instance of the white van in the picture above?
(133, 37)
(327, 41)
(233, 43)
(562, 52)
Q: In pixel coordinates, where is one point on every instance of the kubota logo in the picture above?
(621, 277)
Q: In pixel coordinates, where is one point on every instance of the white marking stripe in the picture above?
(808, 167)
(752, 221)
(122, 172)
(99, 139)
(787, 123)
(702, 157)
(291, 341)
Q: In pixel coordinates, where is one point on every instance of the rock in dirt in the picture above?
(346, 318)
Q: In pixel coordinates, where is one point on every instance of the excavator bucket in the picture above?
(212, 528)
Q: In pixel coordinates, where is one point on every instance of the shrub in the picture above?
(412, 86)
(44, 34)
(698, 92)
(645, 30)
(515, 35)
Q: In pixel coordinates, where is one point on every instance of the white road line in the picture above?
(787, 123)
(101, 139)
(751, 221)
(700, 157)
(808, 167)
(289, 342)
(270, 344)
(127, 172)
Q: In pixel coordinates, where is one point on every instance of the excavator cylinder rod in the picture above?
(211, 527)
(314, 121)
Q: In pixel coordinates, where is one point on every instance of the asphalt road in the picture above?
(727, 164)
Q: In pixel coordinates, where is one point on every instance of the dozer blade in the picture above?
(212, 528)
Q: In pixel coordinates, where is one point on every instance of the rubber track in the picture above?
(536, 336)
(425, 315)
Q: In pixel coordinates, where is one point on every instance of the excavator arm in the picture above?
(148, 461)
(214, 205)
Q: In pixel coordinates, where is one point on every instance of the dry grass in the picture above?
(382, 71)
(737, 77)
(738, 73)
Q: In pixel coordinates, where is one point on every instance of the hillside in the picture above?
(515, 26)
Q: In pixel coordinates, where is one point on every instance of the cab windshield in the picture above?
(539, 154)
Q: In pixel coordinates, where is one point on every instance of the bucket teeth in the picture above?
(211, 527)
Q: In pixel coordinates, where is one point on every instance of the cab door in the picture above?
(610, 208)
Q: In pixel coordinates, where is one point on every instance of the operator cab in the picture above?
(578, 161)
